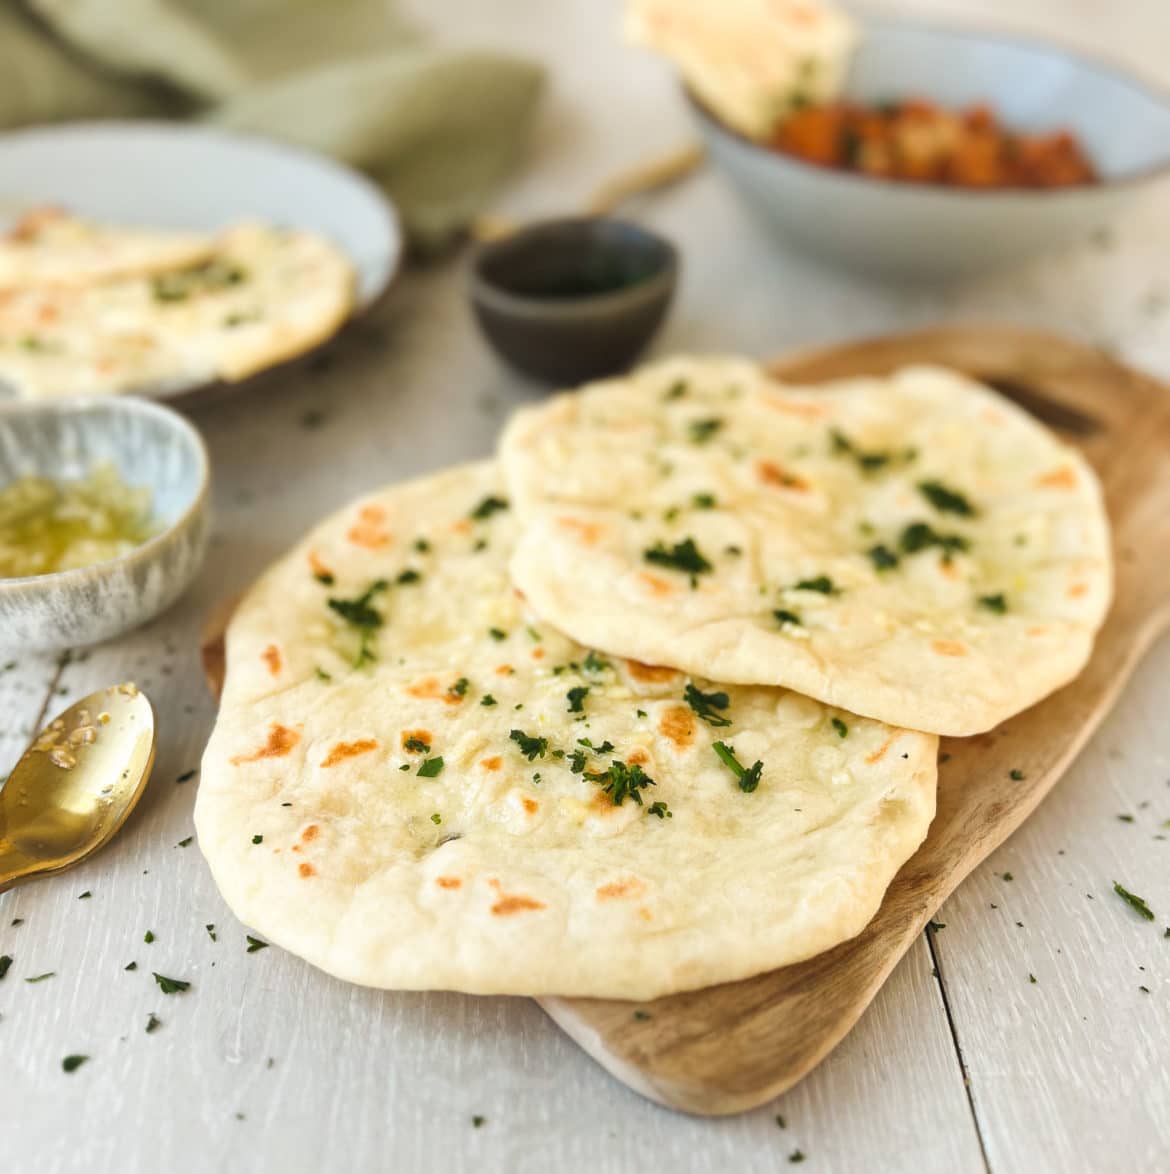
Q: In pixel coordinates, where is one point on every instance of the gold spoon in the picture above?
(75, 786)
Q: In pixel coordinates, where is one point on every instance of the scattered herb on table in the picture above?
(945, 500)
(255, 944)
(1031, 977)
(186, 776)
(72, 1063)
(477, 1121)
(705, 705)
(153, 1023)
(5, 963)
(171, 986)
(796, 1156)
(749, 777)
(780, 1121)
(682, 556)
(642, 1016)
(210, 927)
(1134, 901)
(1016, 775)
(84, 896)
(41, 977)
(148, 937)
(184, 842)
(130, 966)
(431, 767)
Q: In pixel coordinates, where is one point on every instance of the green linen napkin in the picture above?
(350, 78)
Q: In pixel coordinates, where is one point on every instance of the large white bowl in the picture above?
(925, 231)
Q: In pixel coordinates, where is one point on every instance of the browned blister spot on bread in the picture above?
(776, 475)
(1063, 478)
(587, 532)
(432, 689)
(493, 763)
(310, 833)
(448, 882)
(881, 751)
(1077, 590)
(344, 750)
(271, 657)
(509, 903)
(530, 805)
(650, 674)
(949, 647)
(369, 530)
(790, 407)
(678, 724)
(630, 886)
(281, 740)
(306, 869)
(655, 584)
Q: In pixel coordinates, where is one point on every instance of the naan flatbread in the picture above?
(265, 295)
(915, 549)
(751, 61)
(416, 783)
(48, 246)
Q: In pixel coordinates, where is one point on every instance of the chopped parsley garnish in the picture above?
(489, 506)
(621, 782)
(497, 633)
(676, 390)
(180, 284)
(459, 689)
(593, 663)
(170, 986)
(995, 603)
(487, 699)
(703, 501)
(784, 616)
(868, 462)
(841, 728)
(42, 977)
(577, 762)
(683, 556)
(705, 704)
(360, 615)
(1016, 775)
(186, 776)
(606, 747)
(87, 894)
(921, 535)
(749, 777)
(530, 747)
(153, 1023)
(422, 545)
(821, 583)
(324, 578)
(184, 842)
(700, 431)
(148, 937)
(660, 809)
(416, 745)
(796, 1156)
(1134, 901)
(255, 944)
(431, 767)
(410, 575)
(477, 1121)
(133, 965)
(5, 963)
(576, 698)
(436, 818)
(72, 1063)
(210, 927)
(882, 557)
(256, 839)
(946, 501)
(642, 1016)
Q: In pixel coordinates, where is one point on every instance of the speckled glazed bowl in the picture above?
(150, 446)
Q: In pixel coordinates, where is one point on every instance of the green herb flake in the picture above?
(921, 536)
(703, 501)
(497, 634)
(459, 689)
(324, 578)
(148, 937)
(882, 557)
(705, 704)
(153, 1023)
(748, 777)
(841, 728)
(780, 1122)
(5, 963)
(422, 545)
(531, 747)
(594, 663)
(42, 977)
(171, 986)
(477, 1121)
(255, 944)
(676, 390)
(490, 505)
(642, 1016)
(785, 617)
(796, 1156)
(184, 842)
(660, 809)
(946, 501)
(1134, 901)
(72, 1063)
(361, 616)
(431, 767)
(700, 431)
(257, 839)
(410, 575)
(210, 927)
(1031, 977)
(130, 966)
(576, 698)
(84, 896)
(1016, 775)
(436, 818)
(994, 603)
(487, 699)
(621, 782)
(682, 556)
(416, 745)
(822, 584)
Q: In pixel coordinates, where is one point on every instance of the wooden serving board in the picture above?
(729, 1048)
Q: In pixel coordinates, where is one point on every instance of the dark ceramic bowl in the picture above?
(568, 300)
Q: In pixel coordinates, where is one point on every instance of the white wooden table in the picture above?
(962, 1064)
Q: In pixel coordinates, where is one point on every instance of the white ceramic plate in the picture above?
(177, 175)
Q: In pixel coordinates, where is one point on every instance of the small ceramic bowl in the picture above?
(926, 231)
(150, 446)
(574, 299)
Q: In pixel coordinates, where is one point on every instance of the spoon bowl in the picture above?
(76, 785)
